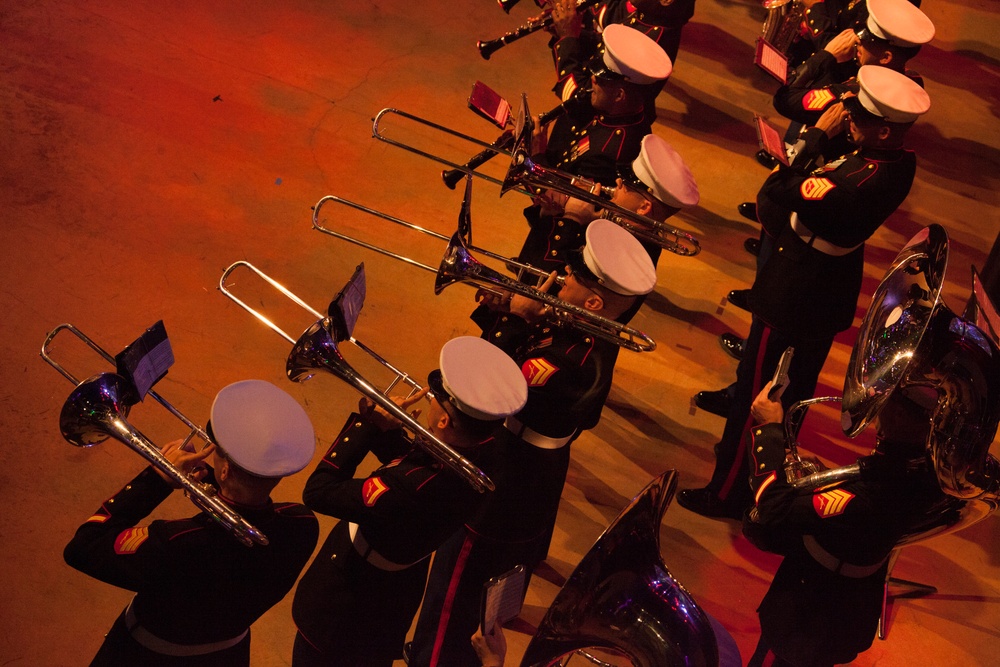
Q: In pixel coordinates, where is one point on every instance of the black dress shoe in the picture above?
(752, 246)
(716, 402)
(739, 298)
(766, 159)
(407, 652)
(748, 210)
(732, 344)
(706, 503)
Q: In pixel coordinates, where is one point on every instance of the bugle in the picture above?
(97, 409)
(317, 348)
(458, 265)
(525, 172)
(534, 24)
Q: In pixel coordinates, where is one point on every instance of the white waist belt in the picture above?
(534, 437)
(834, 564)
(148, 640)
(373, 557)
(818, 243)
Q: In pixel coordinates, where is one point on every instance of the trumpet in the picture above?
(317, 348)
(97, 409)
(458, 265)
(524, 171)
(533, 25)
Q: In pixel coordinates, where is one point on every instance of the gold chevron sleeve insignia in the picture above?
(815, 100)
(538, 371)
(815, 189)
(831, 503)
(129, 541)
(372, 490)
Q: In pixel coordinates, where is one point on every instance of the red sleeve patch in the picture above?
(831, 503)
(815, 189)
(129, 541)
(816, 100)
(372, 490)
(538, 371)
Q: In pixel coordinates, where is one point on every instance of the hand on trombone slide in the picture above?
(190, 462)
(382, 419)
(530, 310)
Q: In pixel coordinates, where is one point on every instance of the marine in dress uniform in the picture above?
(806, 291)
(893, 34)
(357, 600)
(577, 39)
(823, 606)
(566, 372)
(591, 140)
(197, 588)
(657, 184)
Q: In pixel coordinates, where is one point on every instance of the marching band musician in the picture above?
(198, 589)
(567, 374)
(893, 34)
(577, 36)
(591, 140)
(823, 606)
(355, 603)
(657, 184)
(809, 277)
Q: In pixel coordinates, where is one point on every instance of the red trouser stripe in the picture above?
(449, 599)
(741, 452)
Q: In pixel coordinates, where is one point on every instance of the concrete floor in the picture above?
(145, 146)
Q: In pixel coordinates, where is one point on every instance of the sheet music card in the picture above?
(146, 360)
(770, 139)
(502, 598)
(489, 104)
(771, 60)
(346, 306)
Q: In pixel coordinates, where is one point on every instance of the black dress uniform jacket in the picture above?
(800, 288)
(351, 605)
(823, 605)
(566, 374)
(591, 144)
(195, 583)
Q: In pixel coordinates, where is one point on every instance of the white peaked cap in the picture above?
(618, 260)
(484, 382)
(262, 429)
(634, 55)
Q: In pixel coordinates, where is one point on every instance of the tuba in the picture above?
(623, 599)
(911, 343)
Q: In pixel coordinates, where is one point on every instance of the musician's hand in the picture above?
(551, 202)
(491, 648)
(809, 3)
(539, 137)
(494, 301)
(843, 46)
(187, 462)
(580, 211)
(532, 310)
(565, 20)
(381, 418)
(764, 410)
(832, 120)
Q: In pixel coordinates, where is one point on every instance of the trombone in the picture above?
(458, 265)
(526, 172)
(97, 409)
(317, 348)
(527, 176)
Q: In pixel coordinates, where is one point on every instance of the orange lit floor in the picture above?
(146, 146)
